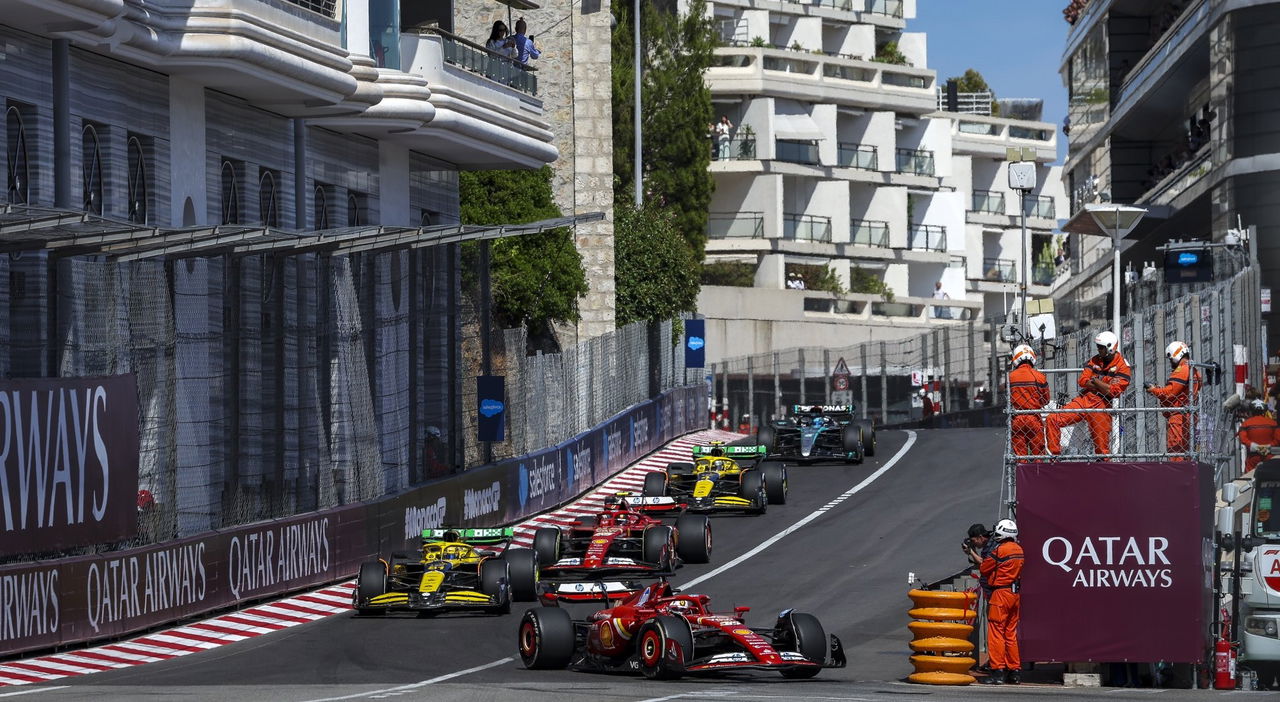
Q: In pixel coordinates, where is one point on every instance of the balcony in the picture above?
(806, 228)
(967, 103)
(739, 148)
(888, 8)
(917, 161)
(928, 237)
(1044, 273)
(858, 156)
(1157, 60)
(797, 151)
(981, 135)
(988, 201)
(735, 225)
(871, 233)
(323, 7)
(479, 60)
(999, 270)
(1042, 207)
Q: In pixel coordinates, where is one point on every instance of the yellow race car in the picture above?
(472, 570)
(716, 481)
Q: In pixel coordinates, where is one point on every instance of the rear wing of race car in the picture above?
(655, 504)
(732, 451)
(822, 409)
(553, 593)
(474, 537)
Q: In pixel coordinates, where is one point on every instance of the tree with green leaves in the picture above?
(675, 111)
(656, 274)
(536, 279)
(973, 82)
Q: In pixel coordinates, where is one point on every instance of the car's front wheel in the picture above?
(693, 538)
(655, 638)
(371, 582)
(804, 635)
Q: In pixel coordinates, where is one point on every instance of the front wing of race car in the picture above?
(804, 445)
(450, 600)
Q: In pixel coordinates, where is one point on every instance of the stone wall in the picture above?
(575, 88)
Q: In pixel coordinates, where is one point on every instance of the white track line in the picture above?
(414, 686)
(911, 439)
(33, 691)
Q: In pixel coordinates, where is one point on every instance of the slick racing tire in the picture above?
(493, 573)
(546, 543)
(371, 582)
(805, 636)
(693, 538)
(656, 546)
(546, 639)
(652, 642)
(868, 438)
(851, 441)
(655, 484)
(522, 574)
(775, 482)
(753, 489)
(765, 437)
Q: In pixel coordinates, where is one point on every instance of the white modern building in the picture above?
(843, 158)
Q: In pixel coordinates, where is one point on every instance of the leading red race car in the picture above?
(664, 634)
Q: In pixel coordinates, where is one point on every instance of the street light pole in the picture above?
(1024, 264)
(639, 133)
(1115, 281)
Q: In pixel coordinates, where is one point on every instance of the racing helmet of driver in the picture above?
(679, 607)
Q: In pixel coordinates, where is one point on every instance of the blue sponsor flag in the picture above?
(491, 405)
(695, 343)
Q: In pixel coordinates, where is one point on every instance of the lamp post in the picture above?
(639, 134)
(1117, 221)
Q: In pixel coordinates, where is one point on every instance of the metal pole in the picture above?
(751, 394)
(826, 381)
(62, 124)
(803, 377)
(635, 114)
(993, 387)
(973, 367)
(777, 385)
(485, 331)
(862, 349)
(300, 173)
(884, 387)
(1022, 194)
(1115, 282)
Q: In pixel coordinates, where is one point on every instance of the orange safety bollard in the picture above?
(942, 646)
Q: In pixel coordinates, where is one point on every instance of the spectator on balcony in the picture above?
(724, 134)
(500, 41)
(525, 48)
(939, 311)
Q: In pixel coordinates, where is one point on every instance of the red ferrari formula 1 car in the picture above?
(665, 635)
(620, 542)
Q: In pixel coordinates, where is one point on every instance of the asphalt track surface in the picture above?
(847, 565)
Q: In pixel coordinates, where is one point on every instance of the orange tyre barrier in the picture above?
(941, 640)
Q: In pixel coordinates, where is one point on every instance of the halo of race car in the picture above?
(650, 628)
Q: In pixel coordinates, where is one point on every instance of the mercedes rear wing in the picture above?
(822, 409)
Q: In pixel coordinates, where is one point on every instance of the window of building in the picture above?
(18, 170)
(139, 185)
(357, 209)
(269, 198)
(384, 32)
(91, 168)
(320, 218)
(231, 191)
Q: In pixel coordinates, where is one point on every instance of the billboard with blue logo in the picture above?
(491, 404)
(695, 343)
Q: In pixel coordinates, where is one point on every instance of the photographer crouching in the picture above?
(999, 559)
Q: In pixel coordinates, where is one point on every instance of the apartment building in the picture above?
(844, 158)
(1172, 108)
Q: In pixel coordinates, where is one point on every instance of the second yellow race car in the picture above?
(716, 482)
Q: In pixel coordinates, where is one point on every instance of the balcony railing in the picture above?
(1153, 61)
(918, 161)
(324, 7)
(867, 232)
(858, 156)
(1041, 206)
(797, 151)
(737, 148)
(471, 57)
(889, 8)
(928, 237)
(1044, 273)
(735, 225)
(967, 103)
(806, 228)
(988, 201)
(999, 270)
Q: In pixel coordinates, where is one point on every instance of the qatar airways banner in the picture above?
(1119, 561)
(69, 447)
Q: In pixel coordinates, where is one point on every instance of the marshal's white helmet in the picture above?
(1022, 354)
(1107, 340)
(1176, 351)
(1006, 529)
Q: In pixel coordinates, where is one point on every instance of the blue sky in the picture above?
(1014, 44)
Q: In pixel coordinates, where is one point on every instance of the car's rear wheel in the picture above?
(868, 438)
(656, 547)
(851, 442)
(655, 484)
(493, 573)
(766, 437)
(546, 543)
(522, 574)
(371, 582)
(804, 635)
(693, 538)
(656, 636)
(546, 638)
(775, 482)
(752, 488)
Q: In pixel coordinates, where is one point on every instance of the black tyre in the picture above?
(652, 643)
(765, 437)
(494, 573)
(804, 635)
(868, 438)
(546, 639)
(851, 439)
(371, 583)
(546, 543)
(775, 482)
(655, 484)
(752, 488)
(656, 546)
(693, 538)
(522, 574)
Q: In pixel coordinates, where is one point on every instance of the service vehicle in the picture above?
(819, 433)
(469, 570)
(717, 481)
(1260, 581)
(665, 634)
